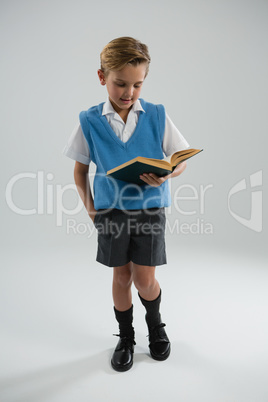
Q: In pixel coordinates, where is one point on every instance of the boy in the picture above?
(130, 219)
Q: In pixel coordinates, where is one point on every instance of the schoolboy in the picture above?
(109, 134)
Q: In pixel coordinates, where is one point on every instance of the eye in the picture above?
(120, 85)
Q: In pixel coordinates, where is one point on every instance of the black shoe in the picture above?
(122, 359)
(159, 344)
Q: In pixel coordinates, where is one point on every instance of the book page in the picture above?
(174, 155)
(167, 158)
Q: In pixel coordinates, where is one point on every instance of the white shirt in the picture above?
(77, 146)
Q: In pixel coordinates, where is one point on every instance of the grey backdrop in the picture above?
(209, 68)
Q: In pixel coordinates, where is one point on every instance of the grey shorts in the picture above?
(133, 235)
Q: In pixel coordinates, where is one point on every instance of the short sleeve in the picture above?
(173, 140)
(77, 146)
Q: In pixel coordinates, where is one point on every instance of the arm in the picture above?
(83, 187)
(155, 181)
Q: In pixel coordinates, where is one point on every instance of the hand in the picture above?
(153, 180)
(92, 214)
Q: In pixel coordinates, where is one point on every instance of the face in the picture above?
(124, 86)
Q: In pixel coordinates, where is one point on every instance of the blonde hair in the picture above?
(122, 51)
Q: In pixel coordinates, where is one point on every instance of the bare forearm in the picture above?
(84, 190)
(178, 170)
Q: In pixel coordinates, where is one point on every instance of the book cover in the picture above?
(131, 170)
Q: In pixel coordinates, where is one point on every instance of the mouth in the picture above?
(125, 100)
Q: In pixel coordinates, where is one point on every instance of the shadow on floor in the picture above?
(42, 384)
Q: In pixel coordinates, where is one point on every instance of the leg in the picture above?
(122, 281)
(145, 281)
(122, 359)
(149, 292)
(150, 295)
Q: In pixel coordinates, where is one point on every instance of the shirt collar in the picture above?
(108, 108)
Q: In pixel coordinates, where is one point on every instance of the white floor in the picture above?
(57, 324)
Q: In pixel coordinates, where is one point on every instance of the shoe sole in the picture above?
(160, 358)
(121, 369)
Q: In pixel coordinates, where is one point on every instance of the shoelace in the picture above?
(126, 341)
(155, 332)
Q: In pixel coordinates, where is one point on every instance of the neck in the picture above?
(123, 113)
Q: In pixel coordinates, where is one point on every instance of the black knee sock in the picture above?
(153, 316)
(125, 319)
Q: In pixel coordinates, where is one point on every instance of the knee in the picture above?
(123, 276)
(144, 283)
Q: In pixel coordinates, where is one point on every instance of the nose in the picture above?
(129, 92)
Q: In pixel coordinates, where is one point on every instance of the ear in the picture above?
(101, 77)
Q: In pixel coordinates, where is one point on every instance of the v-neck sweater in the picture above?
(108, 151)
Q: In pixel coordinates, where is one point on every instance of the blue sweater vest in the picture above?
(108, 151)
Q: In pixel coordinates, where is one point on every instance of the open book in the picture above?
(131, 170)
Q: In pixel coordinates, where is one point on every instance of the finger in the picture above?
(144, 178)
(157, 179)
(153, 177)
(149, 180)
